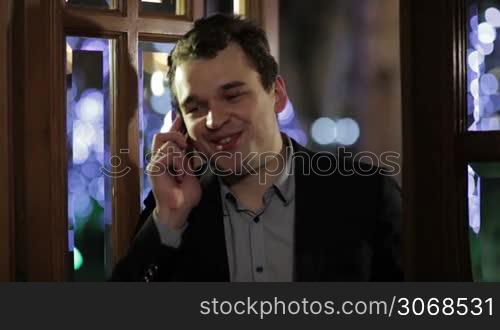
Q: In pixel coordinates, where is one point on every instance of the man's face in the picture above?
(226, 109)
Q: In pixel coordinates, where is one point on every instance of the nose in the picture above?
(216, 117)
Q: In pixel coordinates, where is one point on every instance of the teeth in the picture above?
(225, 141)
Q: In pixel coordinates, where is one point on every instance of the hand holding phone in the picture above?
(175, 187)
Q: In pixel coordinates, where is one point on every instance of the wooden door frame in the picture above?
(433, 51)
(6, 168)
(38, 138)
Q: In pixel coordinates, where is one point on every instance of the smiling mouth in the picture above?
(228, 142)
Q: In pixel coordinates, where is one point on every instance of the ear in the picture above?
(280, 94)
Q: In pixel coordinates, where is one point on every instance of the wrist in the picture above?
(172, 220)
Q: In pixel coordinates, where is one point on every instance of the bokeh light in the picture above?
(474, 197)
(347, 131)
(489, 84)
(475, 59)
(486, 33)
(157, 85)
(77, 259)
(474, 22)
(77, 183)
(492, 16)
(96, 190)
(485, 49)
(324, 131)
(82, 206)
(161, 104)
(90, 108)
(474, 88)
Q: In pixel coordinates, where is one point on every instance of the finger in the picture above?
(164, 167)
(177, 124)
(194, 161)
(160, 139)
(171, 171)
(170, 147)
(170, 154)
(171, 159)
(174, 169)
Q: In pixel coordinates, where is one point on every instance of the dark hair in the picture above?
(213, 34)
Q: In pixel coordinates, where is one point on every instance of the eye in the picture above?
(234, 97)
(191, 109)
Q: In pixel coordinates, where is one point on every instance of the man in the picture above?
(258, 207)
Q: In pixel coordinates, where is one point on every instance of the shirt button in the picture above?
(259, 269)
(256, 220)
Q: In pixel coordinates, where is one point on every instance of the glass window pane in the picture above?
(483, 66)
(103, 4)
(89, 104)
(154, 99)
(168, 7)
(220, 6)
(484, 220)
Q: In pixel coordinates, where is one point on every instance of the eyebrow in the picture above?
(232, 85)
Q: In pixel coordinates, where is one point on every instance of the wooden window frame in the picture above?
(437, 146)
(6, 166)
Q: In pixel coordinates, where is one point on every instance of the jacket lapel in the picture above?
(309, 259)
(213, 253)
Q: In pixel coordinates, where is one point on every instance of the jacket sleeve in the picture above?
(142, 262)
(387, 259)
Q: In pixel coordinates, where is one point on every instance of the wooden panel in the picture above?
(254, 10)
(58, 162)
(6, 170)
(198, 9)
(125, 141)
(434, 184)
(266, 15)
(480, 146)
(121, 9)
(94, 20)
(18, 139)
(160, 26)
(270, 23)
(41, 229)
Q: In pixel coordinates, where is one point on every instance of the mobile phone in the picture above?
(183, 131)
(174, 115)
(190, 147)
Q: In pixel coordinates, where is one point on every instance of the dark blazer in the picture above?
(347, 228)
